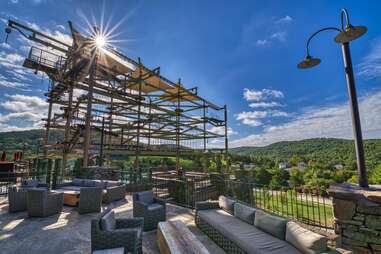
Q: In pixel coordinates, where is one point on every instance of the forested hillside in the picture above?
(327, 150)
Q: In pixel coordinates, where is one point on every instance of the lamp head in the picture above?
(308, 62)
(350, 33)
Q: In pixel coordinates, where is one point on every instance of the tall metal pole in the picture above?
(102, 142)
(363, 180)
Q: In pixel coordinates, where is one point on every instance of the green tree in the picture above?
(296, 178)
(262, 176)
(375, 176)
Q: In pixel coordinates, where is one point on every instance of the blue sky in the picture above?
(240, 54)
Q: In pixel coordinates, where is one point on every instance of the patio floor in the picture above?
(69, 232)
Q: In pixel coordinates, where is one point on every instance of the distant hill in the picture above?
(18, 140)
(324, 149)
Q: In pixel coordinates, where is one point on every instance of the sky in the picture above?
(239, 53)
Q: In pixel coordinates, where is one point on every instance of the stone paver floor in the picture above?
(69, 232)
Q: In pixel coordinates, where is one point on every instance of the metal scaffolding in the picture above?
(107, 104)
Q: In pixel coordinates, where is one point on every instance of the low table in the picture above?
(173, 237)
(71, 197)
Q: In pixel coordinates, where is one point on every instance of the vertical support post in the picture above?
(137, 149)
(204, 124)
(86, 145)
(102, 143)
(109, 142)
(226, 136)
(69, 114)
(47, 130)
(149, 123)
(178, 128)
(363, 180)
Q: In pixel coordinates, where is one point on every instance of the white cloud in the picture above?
(281, 36)
(257, 95)
(271, 104)
(333, 121)
(221, 130)
(23, 112)
(371, 65)
(261, 42)
(285, 20)
(251, 118)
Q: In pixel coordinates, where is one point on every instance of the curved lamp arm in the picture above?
(344, 12)
(317, 32)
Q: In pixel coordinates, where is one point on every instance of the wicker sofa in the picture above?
(112, 190)
(238, 228)
(108, 233)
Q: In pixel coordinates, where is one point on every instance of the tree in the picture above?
(262, 176)
(375, 176)
(296, 178)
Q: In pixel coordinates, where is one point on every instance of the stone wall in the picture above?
(101, 173)
(357, 219)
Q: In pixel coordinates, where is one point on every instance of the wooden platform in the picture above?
(71, 197)
(173, 237)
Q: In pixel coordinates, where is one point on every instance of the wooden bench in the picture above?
(173, 237)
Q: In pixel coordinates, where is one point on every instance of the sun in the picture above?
(100, 41)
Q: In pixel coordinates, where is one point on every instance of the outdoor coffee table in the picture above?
(71, 197)
(173, 237)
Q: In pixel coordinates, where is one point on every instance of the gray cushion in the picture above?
(71, 187)
(88, 183)
(99, 183)
(108, 221)
(271, 224)
(154, 206)
(119, 250)
(246, 236)
(29, 183)
(226, 204)
(77, 182)
(244, 212)
(145, 197)
(305, 240)
(112, 183)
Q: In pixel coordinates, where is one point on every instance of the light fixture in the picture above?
(350, 33)
(308, 62)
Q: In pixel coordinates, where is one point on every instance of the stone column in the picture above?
(357, 217)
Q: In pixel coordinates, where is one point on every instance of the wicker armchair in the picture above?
(90, 200)
(16, 199)
(152, 209)
(41, 203)
(126, 233)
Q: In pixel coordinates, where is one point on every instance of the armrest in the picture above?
(126, 238)
(54, 200)
(141, 205)
(205, 205)
(129, 223)
(160, 201)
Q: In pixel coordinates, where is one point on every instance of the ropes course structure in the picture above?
(108, 104)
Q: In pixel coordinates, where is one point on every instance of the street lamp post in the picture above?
(345, 35)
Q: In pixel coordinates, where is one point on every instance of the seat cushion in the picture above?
(246, 236)
(108, 221)
(119, 250)
(88, 183)
(145, 197)
(112, 183)
(31, 183)
(99, 183)
(71, 187)
(154, 206)
(227, 204)
(77, 182)
(271, 224)
(244, 213)
(305, 240)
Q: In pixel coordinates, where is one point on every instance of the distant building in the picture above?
(284, 165)
(248, 165)
(302, 165)
(338, 166)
